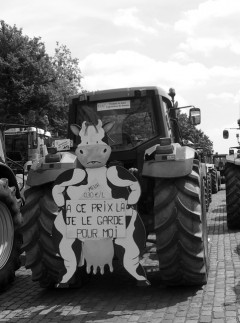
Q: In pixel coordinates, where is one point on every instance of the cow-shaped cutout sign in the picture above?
(97, 206)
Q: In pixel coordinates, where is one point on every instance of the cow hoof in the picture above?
(143, 283)
(62, 285)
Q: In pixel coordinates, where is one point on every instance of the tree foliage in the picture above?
(196, 136)
(34, 87)
(67, 82)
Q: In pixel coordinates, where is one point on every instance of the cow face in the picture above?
(92, 152)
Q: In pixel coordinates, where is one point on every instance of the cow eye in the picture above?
(81, 151)
(105, 150)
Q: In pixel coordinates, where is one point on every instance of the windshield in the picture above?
(16, 146)
(220, 160)
(133, 122)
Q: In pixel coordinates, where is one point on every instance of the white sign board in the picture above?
(95, 219)
(114, 105)
(62, 144)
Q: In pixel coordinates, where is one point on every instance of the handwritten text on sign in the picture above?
(94, 219)
(114, 105)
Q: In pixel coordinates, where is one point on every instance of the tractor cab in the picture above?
(142, 117)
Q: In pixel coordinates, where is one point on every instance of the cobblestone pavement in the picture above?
(115, 298)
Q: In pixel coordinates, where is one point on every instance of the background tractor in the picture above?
(214, 173)
(232, 180)
(10, 217)
(219, 161)
(146, 139)
(24, 143)
(210, 174)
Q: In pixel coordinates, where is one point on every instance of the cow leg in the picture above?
(65, 249)
(69, 258)
(130, 258)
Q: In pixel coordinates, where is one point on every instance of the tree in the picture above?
(25, 69)
(196, 136)
(34, 85)
(67, 82)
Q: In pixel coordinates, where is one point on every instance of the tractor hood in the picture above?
(45, 171)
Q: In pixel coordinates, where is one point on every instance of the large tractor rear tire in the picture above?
(209, 183)
(206, 192)
(219, 180)
(39, 213)
(214, 181)
(10, 238)
(232, 177)
(181, 229)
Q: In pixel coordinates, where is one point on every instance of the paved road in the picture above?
(115, 298)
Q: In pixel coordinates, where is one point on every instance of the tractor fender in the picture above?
(178, 164)
(233, 159)
(44, 172)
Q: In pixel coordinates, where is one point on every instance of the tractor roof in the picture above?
(119, 92)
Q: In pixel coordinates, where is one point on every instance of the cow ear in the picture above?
(108, 126)
(75, 129)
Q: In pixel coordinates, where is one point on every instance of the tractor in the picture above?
(10, 217)
(214, 173)
(25, 142)
(219, 161)
(209, 173)
(145, 139)
(232, 180)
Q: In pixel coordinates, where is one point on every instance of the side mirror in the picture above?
(225, 134)
(195, 116)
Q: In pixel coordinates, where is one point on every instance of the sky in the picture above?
(192, 46)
